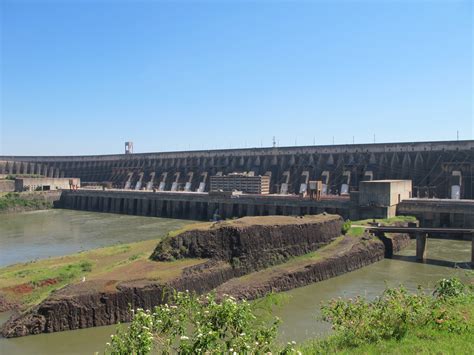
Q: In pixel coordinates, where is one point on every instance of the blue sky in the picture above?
(82, 77)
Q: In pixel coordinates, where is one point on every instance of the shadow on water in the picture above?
(445, 263)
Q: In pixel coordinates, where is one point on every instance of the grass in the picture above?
(13, 200)
(387, 221)
(423, 340)
(356, 231)
(29, 283)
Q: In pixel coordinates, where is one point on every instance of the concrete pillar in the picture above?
(193, 211)
(90, 201)
(153, 208)
(130, 205)
(272, 210)
(421, 246)
(83, 203)
(251, 210)
(159, 208)
(295, 211)
(229, 210)
(145, 207)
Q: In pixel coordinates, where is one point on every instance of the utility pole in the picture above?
(333, 140)
(374, 138)
(457, 134)
(274, 142)
(353, 140)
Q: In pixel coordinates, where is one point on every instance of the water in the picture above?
(31, 235)
(299, 314)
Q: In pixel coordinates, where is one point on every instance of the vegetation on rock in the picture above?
(14, 201)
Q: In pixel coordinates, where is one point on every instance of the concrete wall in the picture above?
(7, 185)
(32, 184)
(196, 206)
(439, 213)
(384, 193)
(428, 164)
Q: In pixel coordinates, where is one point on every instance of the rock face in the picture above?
(254, 245)
(253, 242)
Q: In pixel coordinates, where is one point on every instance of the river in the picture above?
(70, 229)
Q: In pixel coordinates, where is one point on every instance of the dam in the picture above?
(441, 169)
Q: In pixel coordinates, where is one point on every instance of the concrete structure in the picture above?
(440, 169)
(7, 185)
(421, 234)
(198, 206)
(45, 184)
(379, 198)
(249, 184)
(438, 213)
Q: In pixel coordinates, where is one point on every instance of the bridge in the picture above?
(421, 235)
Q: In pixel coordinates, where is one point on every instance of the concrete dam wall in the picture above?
(437, 169)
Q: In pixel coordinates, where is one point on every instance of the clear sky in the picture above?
(82, 77)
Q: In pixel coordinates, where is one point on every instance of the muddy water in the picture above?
(300, 313)
(41, 234)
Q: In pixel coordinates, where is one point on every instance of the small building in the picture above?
(379, 198)
(249, 184)
(46, 184)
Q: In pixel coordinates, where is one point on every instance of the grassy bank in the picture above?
(27, 284)
(396, 322)
(401, 323)
(17, 202)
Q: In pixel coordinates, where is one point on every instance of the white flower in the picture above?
(184, 337)
(293, 342)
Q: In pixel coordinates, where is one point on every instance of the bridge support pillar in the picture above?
(421, 246)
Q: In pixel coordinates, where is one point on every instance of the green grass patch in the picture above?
(399, 322)
(387, 221)
(14, 200)
(356, 232)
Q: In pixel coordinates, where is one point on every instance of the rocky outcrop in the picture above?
(96, 302)
(253, 242)
(359, 254)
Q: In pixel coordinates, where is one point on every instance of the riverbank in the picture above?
(14, 202)
(124, 278)
(401, 322)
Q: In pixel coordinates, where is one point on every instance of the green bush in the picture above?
(446, 288)
(358, 321)
(192, 324)
(346, 227)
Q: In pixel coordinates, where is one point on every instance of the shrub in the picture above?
(395, 312)
(346, 227)
(196, 325)
(452, 287)
(85, 266)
